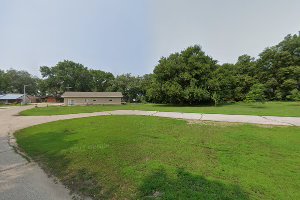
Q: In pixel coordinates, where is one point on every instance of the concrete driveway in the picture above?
(20, 179)
(23, 179)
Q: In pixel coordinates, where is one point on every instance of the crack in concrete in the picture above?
(277, 121)
(15, 166)
(201, 116)
(6, 151)
(155, 112)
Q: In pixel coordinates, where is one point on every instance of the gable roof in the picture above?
(92, 94)
(11, 96)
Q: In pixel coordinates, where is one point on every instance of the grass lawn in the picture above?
(267, 109)
(9, 105)
(139, 157)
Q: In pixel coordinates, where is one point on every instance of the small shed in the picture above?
(92, 98)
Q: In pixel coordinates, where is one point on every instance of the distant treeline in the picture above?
(188, 77)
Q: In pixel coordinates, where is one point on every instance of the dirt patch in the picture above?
(212, 123)
(226, 124)
(268, 125)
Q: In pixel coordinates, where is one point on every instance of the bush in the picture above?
(256, 93)
(294, 96)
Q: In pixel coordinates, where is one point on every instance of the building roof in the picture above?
(92, 94)
(11, 96)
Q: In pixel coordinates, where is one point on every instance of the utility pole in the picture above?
(24, 96)
(68, 88)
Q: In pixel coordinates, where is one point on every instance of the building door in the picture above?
(70, 102)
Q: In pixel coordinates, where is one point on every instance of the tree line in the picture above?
(186, 77)
(70, 76)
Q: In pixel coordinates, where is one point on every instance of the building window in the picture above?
(110, 100)
(94, 100)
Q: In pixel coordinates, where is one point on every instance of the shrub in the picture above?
(256, 93)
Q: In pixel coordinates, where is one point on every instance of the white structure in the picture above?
(92, 98)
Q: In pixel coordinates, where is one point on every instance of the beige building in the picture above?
(92, 98)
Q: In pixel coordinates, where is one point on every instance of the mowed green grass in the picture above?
(139, 157)
(291, 109)
(8, 105)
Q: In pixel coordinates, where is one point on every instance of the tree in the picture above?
(186, 77)
(145, 85)
(256, 93)
(183, 77)
(224, 82)
(66, 75)
(216, 97)
(101, 80)
(294, 95)
(13, 81)
(3, 82)
(279, 68)
(129, 85)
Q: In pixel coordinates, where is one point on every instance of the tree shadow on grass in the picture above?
(50, 150)
(47, 149)
(159, 185)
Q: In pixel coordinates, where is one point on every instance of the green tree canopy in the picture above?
(186, 77)
(256, 93)
(101, 80)
(66, 75)
(13, 81)
(183, 77)
(279, 68)
(129, 85)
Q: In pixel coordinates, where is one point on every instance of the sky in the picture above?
(130, 36)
